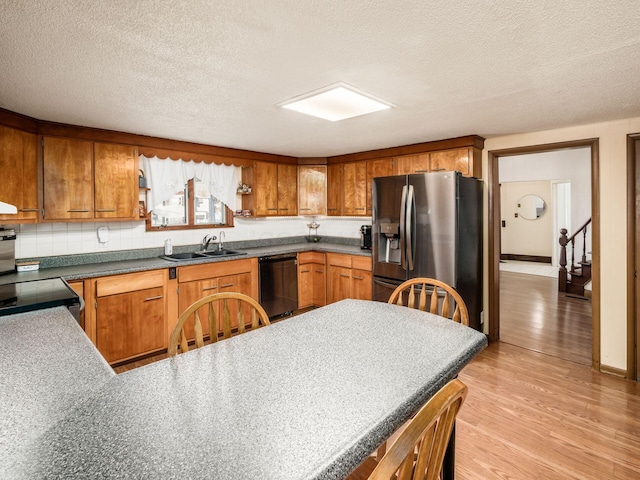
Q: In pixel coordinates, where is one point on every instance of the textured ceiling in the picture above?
(213, 71)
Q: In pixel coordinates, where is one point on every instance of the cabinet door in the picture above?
(68, 179)
(338, 283)
(191, 292)
(305, 285)
(334, 190)
(265, 188)
(354, 192)
(18, 163)
(319, 284)
(382, 167)
(130, 324)
(408, 164)
(446, 160)
(362, 284)
(116, 181)
(312, 190)
(287, 189)
(240, 283)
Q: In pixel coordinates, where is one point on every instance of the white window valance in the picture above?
(166, 177)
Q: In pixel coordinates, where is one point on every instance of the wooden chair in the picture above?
(460, 314)
(240, 304)
(419, 451)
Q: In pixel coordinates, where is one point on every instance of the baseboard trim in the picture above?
(525, 258)
(618, 372)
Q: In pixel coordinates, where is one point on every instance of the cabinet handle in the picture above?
(78, 211)
(359, 208)
(305, 209)
(305, 271)
(357, 278)
(28, 209)
(284, 209)
(153, 298)
(270, 209)
(422, 171)
(226, 285)
(345, 275)
(209, 288)
(105, 209)
(319, 271)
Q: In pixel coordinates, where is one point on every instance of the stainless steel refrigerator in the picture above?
(429, 225)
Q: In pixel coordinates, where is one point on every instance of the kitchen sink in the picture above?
(221, 253)
(179, 257)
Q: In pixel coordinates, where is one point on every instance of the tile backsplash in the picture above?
(53, 239)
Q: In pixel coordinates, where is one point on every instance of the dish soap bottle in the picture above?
(168, 247)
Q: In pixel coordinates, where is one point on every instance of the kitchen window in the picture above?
(187, 195)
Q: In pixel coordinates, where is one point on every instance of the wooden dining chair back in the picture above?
(418, 452)
(414, 293)
(220, 308)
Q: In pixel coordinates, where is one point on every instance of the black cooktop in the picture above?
(36, 295)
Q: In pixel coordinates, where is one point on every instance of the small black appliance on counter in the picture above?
(365, 237)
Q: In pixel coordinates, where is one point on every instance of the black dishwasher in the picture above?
(278, 283)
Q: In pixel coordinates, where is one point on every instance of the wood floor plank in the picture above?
(543, 417)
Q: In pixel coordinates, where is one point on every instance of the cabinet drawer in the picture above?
(339, 260)
(217, 269)
(129, 282)
(311, 257)
(361, 263)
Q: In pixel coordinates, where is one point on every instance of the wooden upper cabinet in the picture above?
(312, 190)
(457, 159)
(334, 189)
(287, 189)
(274, 189)
(354, 188)
(382, 167)
(408, 164)
(18, 162)
(68, 179)
(116, 181)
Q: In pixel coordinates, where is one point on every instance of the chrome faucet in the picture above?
(220, 242)
(206, 241)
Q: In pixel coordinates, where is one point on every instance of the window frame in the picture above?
(191, 225)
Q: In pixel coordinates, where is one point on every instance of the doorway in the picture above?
(495, 226)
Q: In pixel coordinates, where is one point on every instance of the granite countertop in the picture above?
(306, 398)
(114, 267)
(49, 366)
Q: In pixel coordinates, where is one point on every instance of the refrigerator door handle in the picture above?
(386, 284)
(410, 224)
(403, 238)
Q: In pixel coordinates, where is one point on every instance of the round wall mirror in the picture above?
(531, 207)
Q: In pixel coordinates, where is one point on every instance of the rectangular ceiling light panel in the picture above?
(336, 102)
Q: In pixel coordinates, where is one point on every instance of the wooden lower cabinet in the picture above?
(198, 281)
(130, 315)
(311, 280)
(348, 276)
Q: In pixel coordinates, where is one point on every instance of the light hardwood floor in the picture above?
(535, 316)
(533, 416)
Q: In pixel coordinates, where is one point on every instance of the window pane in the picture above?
(207, 209)
(170, 212)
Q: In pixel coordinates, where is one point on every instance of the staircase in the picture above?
(573, 280)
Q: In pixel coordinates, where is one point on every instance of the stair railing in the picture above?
(564, 240)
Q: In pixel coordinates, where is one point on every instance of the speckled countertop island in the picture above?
(306, 398)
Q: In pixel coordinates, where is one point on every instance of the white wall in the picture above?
(52, 239)
(522, 236)
(613, 220)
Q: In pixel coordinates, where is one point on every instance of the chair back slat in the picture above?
(419, 450)
(219, 320)
(437, 305)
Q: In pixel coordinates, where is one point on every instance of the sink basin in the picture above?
(221, 253)
(177, 257)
